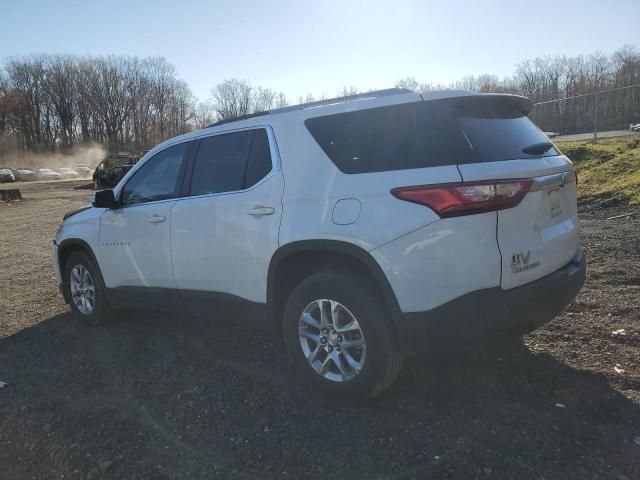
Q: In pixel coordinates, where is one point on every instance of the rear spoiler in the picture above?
(487, 104)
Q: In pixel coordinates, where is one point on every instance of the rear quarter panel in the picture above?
(441, 261)
(313, 186)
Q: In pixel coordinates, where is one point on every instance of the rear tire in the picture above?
(357, 359)
(84, 290)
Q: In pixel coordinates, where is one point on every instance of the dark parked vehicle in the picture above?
(109, 172)
(6, 176)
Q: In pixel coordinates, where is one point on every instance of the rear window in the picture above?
(428, 134)
(497, 132)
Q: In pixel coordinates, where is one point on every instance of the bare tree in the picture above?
(60, 86)
(110, 84)
(232, 98)
(204, 115)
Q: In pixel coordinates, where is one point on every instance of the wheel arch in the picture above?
(70, 245)
(317, 254)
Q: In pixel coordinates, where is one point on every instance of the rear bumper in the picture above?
(493, 311)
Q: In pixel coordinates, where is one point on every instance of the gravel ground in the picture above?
(153, 396)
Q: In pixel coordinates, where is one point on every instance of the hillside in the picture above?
(608, 171)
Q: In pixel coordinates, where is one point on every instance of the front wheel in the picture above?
(339, 338)
(85, 291)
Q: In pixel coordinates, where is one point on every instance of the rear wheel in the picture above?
(85, 290)
(339, 338)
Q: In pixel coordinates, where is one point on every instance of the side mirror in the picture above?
(105, 199)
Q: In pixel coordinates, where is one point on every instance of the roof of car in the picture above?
(429, 95)
(373, 99)
(372, 95)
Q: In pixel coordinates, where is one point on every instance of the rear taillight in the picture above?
(455, 199)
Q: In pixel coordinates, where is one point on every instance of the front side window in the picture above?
(159, 178)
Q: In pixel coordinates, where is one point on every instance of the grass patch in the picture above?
(608, 171)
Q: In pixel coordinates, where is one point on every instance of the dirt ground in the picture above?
(154, 396)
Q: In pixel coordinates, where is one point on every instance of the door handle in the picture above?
(261, 211)
(157, 219)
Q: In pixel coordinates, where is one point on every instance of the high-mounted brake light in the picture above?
(456, 199)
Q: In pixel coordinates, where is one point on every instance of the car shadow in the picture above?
(159, 396)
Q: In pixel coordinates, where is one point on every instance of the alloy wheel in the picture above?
(332, 340)
(82, 289)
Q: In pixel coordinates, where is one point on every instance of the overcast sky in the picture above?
(319, 46)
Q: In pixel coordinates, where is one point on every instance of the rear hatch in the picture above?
(541, 233)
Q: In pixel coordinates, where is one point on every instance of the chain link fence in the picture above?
(604, 113)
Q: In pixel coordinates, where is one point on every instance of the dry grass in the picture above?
(608, 170)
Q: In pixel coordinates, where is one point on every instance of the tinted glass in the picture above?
(427, 134)
(159, 178)
(390, 138)
(496, 139)
(220, 163)
(259, 164)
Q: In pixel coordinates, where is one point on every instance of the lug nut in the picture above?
(323, 340)
(330, 348)
(340, 338)
(333, 331)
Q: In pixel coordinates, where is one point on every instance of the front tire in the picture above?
(85, 291)
(339, 337)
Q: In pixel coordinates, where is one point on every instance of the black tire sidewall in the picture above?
(371, 316)
(101, 307)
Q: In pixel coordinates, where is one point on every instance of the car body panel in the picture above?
(542, 232)
(135, 246)
(83, 227)
(310, 205)
(444, 260)
(218, 246)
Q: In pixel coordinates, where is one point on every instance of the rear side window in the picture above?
(390, 138)
(230, 162)
(428, 134)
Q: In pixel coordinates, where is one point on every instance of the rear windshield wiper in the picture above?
(537, 148)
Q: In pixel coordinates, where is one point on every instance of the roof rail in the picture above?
(331, 101)
(328, 101)
(237, 119)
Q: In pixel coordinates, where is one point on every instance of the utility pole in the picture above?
(595, 116)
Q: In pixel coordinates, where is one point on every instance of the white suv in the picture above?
(365, 228)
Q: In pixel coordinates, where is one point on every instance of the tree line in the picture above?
(53, 102)
(564, 89)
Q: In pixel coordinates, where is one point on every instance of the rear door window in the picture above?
(220, 163)
(259, 163)
(230, 162)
